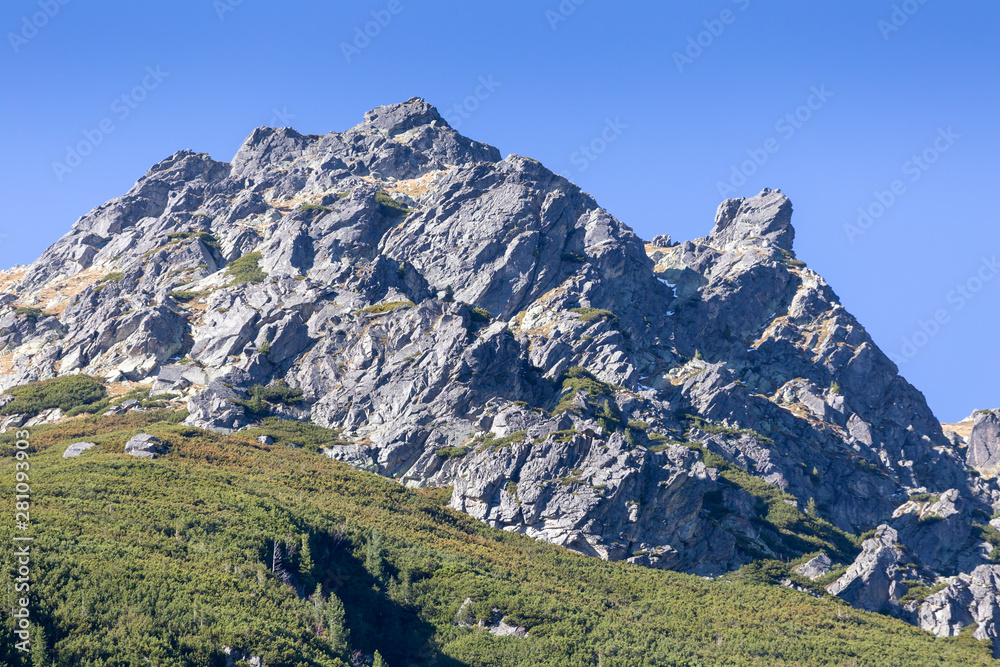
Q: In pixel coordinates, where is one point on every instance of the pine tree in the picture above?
(39, 648)
(338, 636)
(306, 563)
(379, 661)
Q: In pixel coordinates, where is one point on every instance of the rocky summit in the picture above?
(469, 321)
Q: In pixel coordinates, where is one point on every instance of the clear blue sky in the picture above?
(681, 126)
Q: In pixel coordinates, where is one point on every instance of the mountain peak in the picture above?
(765, 219)
(398, 118)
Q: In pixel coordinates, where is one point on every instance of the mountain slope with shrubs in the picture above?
(272, 552)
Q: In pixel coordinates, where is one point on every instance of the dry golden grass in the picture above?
(54, 297)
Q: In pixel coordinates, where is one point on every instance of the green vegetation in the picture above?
(381, 308)
(246, 269)
(480, 317)
(924, 497)
(140, 394)
(789, 259)
(262, 397)
(773, 572)
(917, 591)
(184, 297)
(389, 207)
(573, 258)
(578, 379)
(701, 424)
(309, 436)
(452, 452)
(113, 277)
(489, 441)
(29, 311)
(791, 533)
(208, 239)
(189, 569)
(835, 388)
(315, 207)
(66, 392)
(591, 314)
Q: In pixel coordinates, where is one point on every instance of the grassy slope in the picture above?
(170, 560)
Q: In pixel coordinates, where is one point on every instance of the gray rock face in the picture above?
(984, 441)
(145, 446)
(482, 323)
(815, 567)
(77, 448)
(873, 581)
(765, 220)
(970, 599)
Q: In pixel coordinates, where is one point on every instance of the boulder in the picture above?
(816, 567)
(77, 448)
(145, 446)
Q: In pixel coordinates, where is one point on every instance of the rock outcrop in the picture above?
(984, 441)
(971, 599)
(873, 581)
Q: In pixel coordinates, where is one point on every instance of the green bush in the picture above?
(381, 308)
(591, 314)
(65, 393)
(113, 277)
(389, 207)
(315, 207)
(208, 239)
(29, 311)
(261, 397)
(451, 452)
(246, 269)
(598, 395)
(480, 317)
(184, 297)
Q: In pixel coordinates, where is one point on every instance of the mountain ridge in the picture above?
(469, 321)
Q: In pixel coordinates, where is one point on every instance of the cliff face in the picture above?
(481, 323)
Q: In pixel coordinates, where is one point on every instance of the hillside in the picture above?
(167, 561)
